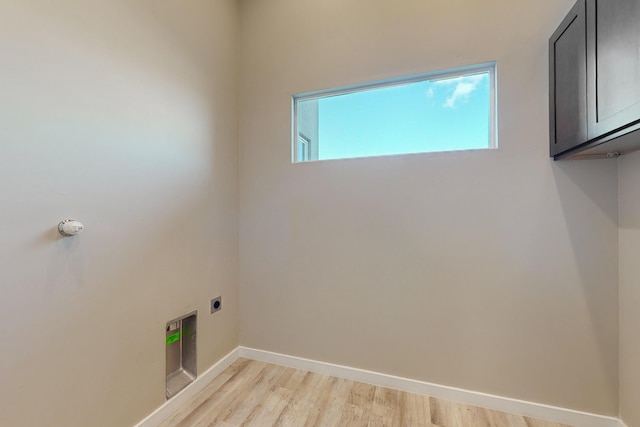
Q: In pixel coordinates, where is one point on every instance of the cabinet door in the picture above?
(568, 82)
(613, 49)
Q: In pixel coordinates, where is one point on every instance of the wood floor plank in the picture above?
(417, 411)
(532, 422)
(384, 407)
(269, 412)
(277, 401)
(361, 396)
(294, 381)
(317, 408)
(184, 411)
(451, 414)
(286, 376)
(335, 406)
(237, 411)
(352, 415)
(224, 395)
(399, 408)
(499, 419)
(198, 400)
(298, 410)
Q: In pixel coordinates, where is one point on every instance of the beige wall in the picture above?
(121, 114)
(493, 271)
(629, 288)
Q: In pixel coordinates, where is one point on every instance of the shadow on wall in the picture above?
(587, 191)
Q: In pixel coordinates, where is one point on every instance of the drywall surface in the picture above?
(121, 114)
(629, 182)
(494, 271)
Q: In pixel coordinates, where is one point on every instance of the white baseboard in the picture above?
(504, 404)
(171, 405)
(622, 424)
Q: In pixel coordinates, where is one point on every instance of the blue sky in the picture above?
(443, 115)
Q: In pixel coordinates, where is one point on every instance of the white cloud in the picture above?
(430, 93)
(464, 87)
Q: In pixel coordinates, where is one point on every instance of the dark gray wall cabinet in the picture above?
(594, 85)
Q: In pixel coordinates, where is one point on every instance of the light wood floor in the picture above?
(251, 393)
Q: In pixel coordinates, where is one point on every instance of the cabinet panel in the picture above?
(613, 46)
(568, 82)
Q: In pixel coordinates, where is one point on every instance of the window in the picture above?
(443, 111)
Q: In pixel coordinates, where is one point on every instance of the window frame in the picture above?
(305, 142)
(486, 67)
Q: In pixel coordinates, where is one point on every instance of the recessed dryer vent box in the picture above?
(181, 353)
